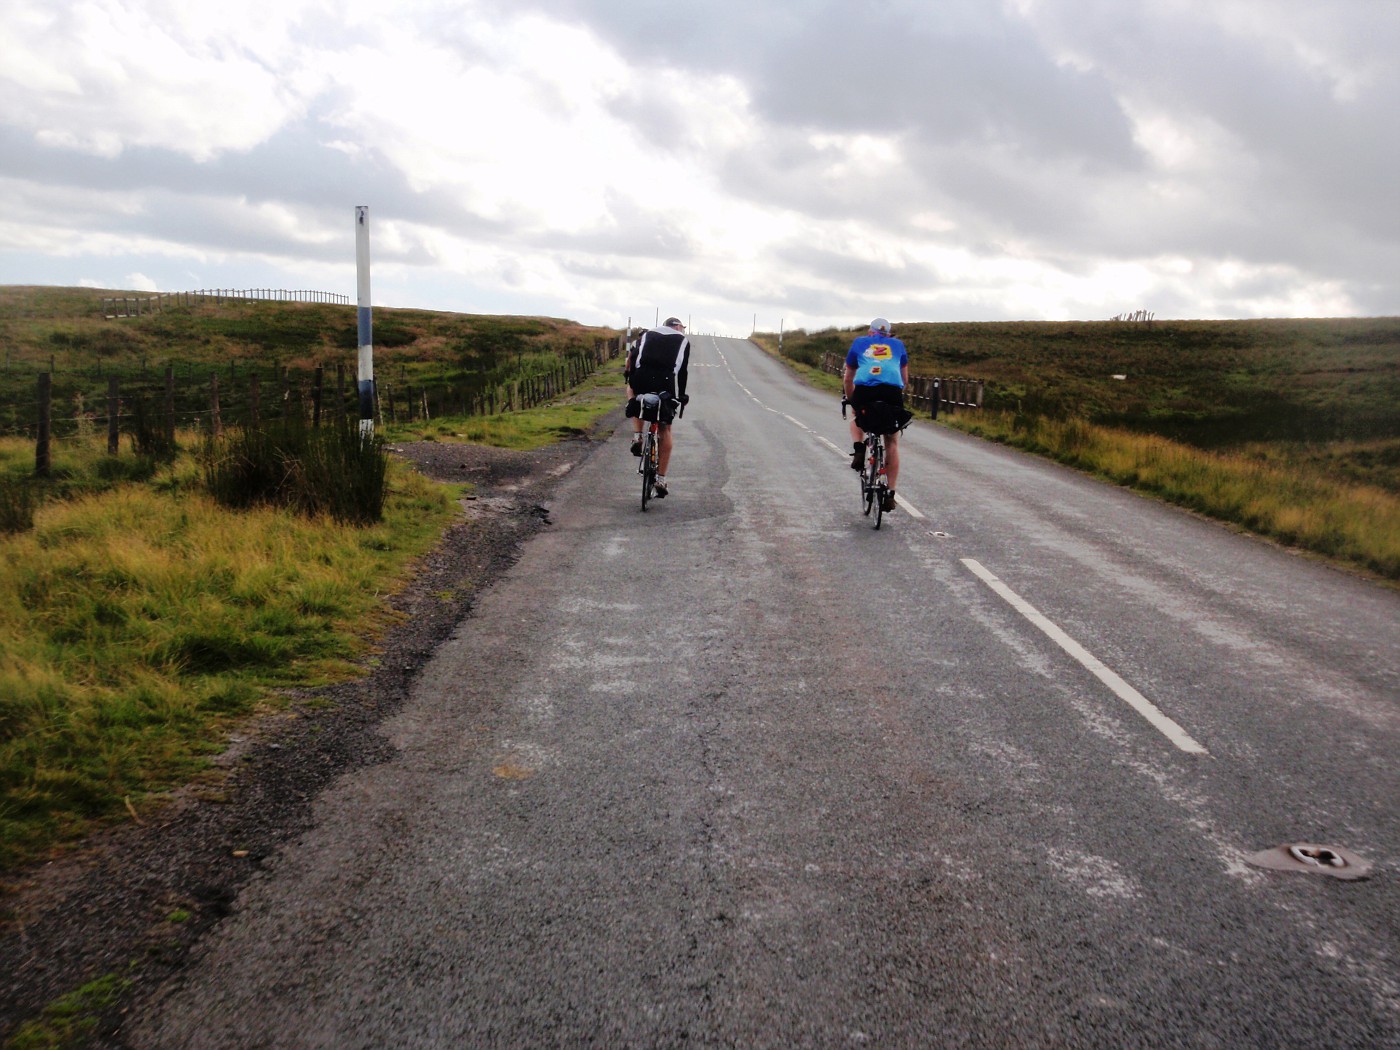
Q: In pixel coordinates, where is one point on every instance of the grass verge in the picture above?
(1358, 525)
(570, 415)
(140, 618)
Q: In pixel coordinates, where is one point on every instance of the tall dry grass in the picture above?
(1354, 523)
(139, 618)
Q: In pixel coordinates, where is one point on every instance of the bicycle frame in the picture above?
(650, 405)
(874, 484)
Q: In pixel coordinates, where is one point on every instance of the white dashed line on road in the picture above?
(1124, 691)
(913, 511)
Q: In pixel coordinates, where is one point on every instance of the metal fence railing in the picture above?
(138, 305)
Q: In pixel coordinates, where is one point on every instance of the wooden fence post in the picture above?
(41, 447)
(113, 414)
(216, 422)
(170, 404)
(316, 398)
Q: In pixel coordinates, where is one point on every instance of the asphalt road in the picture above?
(743, 771)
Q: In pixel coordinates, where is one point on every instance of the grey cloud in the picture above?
(1012, 145)
(859, 275)
(791, 173)
(1317, 160)
(957, 70)
(997, 137)
(997, 86)
(634, 233)
(195, 203)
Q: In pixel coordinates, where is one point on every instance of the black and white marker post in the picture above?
(365, 323)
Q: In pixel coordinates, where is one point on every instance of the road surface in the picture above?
(743, 771)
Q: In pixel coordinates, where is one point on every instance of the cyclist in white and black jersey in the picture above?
(660, 365)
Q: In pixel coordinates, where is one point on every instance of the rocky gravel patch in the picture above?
(135, 898)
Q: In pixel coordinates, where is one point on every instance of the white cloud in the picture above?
(1041, 158)
(103, 76)
(139, 282)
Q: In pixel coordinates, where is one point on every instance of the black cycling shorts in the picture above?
(879, 408)
(667, 409)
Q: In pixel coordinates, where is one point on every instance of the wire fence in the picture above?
(209, 401)
(139, 305)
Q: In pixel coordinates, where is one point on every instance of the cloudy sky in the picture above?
(807, 162)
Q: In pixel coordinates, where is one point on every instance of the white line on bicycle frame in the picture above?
(1125, 692)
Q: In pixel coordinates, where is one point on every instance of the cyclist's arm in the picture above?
(683, 369)
(848, 382)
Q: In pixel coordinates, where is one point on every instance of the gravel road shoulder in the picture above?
(135, 898)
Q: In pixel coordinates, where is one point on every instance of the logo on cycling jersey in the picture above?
(874, 370)
(879, 351)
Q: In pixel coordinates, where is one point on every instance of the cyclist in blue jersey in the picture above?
(877, 370)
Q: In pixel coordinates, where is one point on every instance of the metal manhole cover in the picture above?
(1337, 861)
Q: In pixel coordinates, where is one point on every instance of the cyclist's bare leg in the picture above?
(892, 459)
(663, 449)
(857, 434)
(637, 419)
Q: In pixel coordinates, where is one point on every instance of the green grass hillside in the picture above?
(143, 611)
(453, 358)
(64, 327)
(1290, 428)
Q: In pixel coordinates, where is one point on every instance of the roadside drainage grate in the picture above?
(1336, 861)
(939, 535)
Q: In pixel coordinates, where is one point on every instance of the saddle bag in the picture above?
(880, 417)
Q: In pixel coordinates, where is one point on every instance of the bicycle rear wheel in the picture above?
(648, 467)
(877, 483)
(868, 474)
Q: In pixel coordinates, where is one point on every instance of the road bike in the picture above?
(649, 407)
(874, 484)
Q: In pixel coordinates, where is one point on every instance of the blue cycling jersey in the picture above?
(878, 359)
